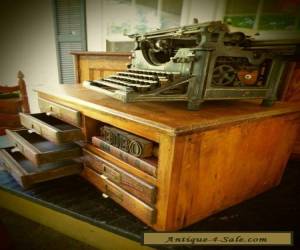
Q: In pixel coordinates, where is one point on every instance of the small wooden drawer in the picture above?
(140, 209)
(66, 114)
(26, 174)
(128, 182)
(51, 128)
(39, 150)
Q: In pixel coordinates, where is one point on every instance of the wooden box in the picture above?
(95, 65)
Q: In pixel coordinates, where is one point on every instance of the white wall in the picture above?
(93, 24)
(27, 43)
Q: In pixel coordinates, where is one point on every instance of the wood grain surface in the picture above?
(208, 160)
(153, 118)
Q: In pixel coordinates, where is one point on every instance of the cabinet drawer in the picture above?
(140, 209)
(26, 174)
(61, 112)
(51, 128)
(128, 182)
(39, 150)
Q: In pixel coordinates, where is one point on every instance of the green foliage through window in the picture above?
(264, 14)
(241, 21)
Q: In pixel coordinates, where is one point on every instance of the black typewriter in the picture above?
(199, 62)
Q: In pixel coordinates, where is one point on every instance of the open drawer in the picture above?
(26, 174)
(120, 177)
(61, 112)
(51, 128)
(140, 209)
(39, 150)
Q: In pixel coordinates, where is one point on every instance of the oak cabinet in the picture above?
(207, 160)
(95, 65)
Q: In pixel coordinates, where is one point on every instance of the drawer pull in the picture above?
(115, 193)
(35, 129)
(130, 183)
(18, 147)
(30, 131)
(103, 177)
(105, 196)
(15, 149)
(111, 173)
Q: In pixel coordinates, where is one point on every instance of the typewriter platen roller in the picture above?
(198, 62)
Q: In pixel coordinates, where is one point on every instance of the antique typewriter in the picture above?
(198, 62)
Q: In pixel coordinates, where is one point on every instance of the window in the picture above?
(121, 17)
(70, 35)
(267, 16)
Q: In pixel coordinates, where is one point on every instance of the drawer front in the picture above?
(38, 124)
(140, 209)
(40, 151)
(61, 112)
(12, 166)
(128, 182)
(27, 174)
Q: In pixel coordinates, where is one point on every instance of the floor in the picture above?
(27, 235)
(278, 209)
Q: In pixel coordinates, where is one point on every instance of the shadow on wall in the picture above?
(29, 44)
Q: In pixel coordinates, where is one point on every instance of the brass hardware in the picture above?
(103, 177)
(111, 173)
(105, 196)
(114, 193)
(34, 129)
(15, 149)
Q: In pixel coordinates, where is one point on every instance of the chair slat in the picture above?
(6, 89)
(10, 106)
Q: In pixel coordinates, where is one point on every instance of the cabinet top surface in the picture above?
(169, 117)
(100, 53)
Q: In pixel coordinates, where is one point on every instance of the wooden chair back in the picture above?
(13, 99)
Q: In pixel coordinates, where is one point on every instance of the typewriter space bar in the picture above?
(113, 85)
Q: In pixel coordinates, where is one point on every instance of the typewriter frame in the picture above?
(196, 65)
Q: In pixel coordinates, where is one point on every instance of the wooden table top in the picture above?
(170, 117)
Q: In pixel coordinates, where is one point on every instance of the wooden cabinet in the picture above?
(61, 112)
(125, 180)
(51, 128)
(140, 209)
(291, 93)
(39, 150)
(95, 65)
(45, 150)
(207, 160)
